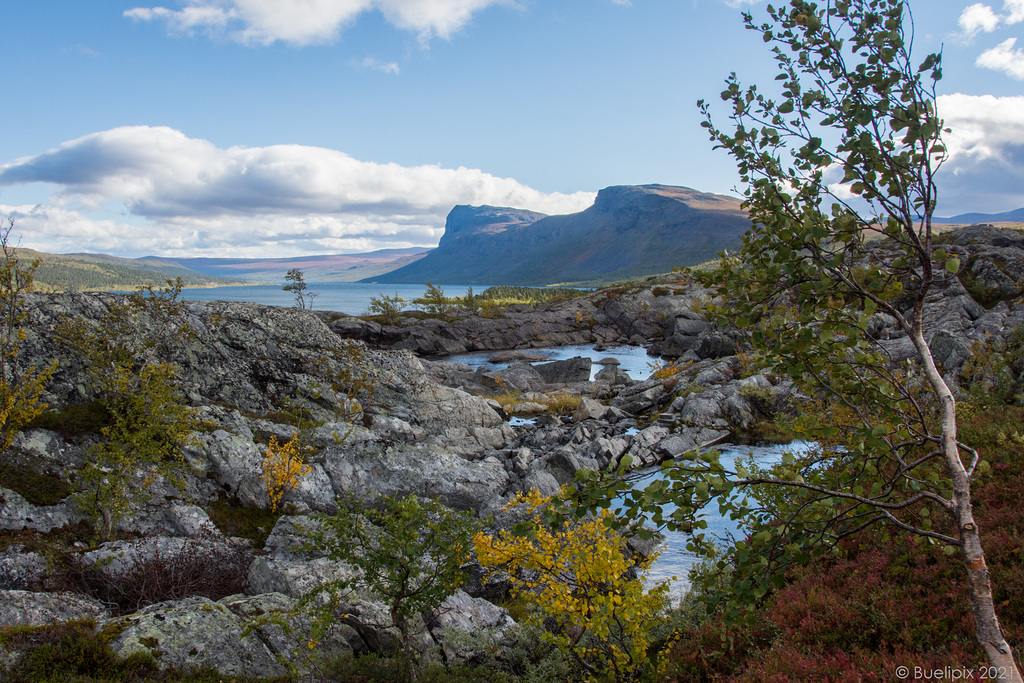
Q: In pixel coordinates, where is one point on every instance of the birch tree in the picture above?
(839, 164)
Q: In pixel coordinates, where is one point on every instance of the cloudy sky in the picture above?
(290, 127)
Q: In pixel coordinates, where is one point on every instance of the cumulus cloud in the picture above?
(1004, 58)
(976, 18)
(985, 171)
(183, 195)
(980, 17)
(1014, 10)
(303, 22)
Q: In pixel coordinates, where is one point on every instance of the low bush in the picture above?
(882, 600)
(202, 567)
(68, 651)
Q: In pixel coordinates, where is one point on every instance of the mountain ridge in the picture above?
(629, 231)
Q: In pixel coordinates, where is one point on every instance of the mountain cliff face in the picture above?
(630, 231)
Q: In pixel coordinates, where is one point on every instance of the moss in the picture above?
(46, 543)
(233, 519)
(38, 488)
(765, 432)
(74, 420)
(69, 651)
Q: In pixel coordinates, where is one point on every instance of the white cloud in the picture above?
(1004, 58)
(303, 22)
(985, 171)
(1015, 10)
(977, 17)
(187, 196)
(378, 65)
(980, 17)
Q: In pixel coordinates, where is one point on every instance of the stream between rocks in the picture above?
(675, 562)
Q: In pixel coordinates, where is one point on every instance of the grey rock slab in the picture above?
(270, 613)
(421, 470)
(576, 369)
(589, 409)
(196, 632)
(462, 614)
(295, 577)
(17, 514)
(21, 570)
(25, 608)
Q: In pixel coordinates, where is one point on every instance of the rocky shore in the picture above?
(423, 425)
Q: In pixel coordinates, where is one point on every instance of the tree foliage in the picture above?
(387, 307)
(128, 356)
(297, 286)
(817, 264)
(21, 389)
(435, 304)
(580, 580)
(283, 468)
(408, 551)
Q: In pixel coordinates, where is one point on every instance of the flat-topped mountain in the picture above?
(630, 231)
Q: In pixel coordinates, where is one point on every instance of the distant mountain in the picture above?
(629, 232)
(1016, 216)
(334, 268)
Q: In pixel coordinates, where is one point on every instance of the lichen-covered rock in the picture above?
(20, 570)
(286, 630)
(25, 608)
(460, 615)
(422, 470)
(196, 632)
(17, 514)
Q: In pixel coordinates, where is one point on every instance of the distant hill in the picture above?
(1016, 216)
(100, 272)
(629, 232)
(334, 268)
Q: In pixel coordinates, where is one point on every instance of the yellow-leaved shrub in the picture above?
(581, 580)
(283, 468)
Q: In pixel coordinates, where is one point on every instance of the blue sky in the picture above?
(287, 127)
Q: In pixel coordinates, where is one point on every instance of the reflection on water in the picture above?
(632, 359)
(675, 560)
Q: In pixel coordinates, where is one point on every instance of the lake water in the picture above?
(675, 560)
(352, 298)
(632, 359)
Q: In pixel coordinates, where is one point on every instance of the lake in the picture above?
(632, 359)
(352, 298)
(675, 560)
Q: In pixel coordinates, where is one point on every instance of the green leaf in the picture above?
(953, 265)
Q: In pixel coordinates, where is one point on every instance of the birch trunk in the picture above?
(986, 623)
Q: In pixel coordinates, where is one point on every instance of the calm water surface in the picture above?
(352, 298)
(675, 560)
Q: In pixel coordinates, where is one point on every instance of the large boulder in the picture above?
(426, 471)
(196, 632)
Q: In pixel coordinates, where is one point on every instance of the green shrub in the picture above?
(68, 651)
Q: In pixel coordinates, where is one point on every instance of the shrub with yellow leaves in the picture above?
(579, 579)
(283, 468)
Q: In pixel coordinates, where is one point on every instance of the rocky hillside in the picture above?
(426, 427)
(630, 231)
